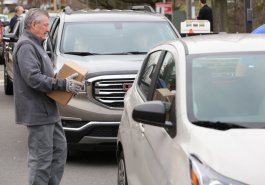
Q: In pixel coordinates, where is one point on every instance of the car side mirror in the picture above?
(152, 113)
(10, 37)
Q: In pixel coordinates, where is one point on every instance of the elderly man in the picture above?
(33, 78)
(18, 11)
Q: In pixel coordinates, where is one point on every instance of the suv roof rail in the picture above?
(68, 10)
(143, 8)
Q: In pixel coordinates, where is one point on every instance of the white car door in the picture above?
(158, 147)
(152, 145)
(137, 165)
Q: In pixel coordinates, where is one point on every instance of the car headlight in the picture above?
(202, 174)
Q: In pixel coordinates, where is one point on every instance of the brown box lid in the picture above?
(163, 94)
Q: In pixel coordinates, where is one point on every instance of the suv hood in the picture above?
(235, 153)
(104, 63)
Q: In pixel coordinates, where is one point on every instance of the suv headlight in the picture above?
(202, 174)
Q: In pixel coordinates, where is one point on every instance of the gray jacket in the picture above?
(33, 78)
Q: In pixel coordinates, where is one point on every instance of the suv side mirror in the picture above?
(10, 37)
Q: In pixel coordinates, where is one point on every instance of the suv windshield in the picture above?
(114, 37)
(227, 89)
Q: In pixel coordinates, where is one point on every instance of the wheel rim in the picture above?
(121, 173)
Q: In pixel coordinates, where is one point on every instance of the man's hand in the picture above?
(72, 85)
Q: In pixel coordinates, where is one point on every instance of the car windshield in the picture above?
(114, 37)
(227, 88)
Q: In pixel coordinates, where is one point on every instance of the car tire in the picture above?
(122, 175)
(8, 84)
(2, 59)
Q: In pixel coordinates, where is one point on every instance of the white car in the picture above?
(195, 114)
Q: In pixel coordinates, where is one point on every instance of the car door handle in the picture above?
(141, 127)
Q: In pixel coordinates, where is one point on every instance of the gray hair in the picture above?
(32, 15)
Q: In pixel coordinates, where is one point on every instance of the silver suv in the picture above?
(111, 45)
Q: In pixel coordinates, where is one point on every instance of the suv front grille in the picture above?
(110, 92)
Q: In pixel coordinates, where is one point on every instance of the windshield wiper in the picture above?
(128, 53)
(80, 53)
(219, 125)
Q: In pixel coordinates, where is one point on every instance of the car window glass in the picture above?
(120, 37)
(146, 78)
(54, 25)
(227, 88)
(166, 82)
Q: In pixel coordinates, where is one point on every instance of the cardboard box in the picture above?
(167, 97)
(164, 94)
(70, 67)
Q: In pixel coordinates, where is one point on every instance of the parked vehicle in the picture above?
(196, 114)
(4, 22)
(111, 44)
(9, 41)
